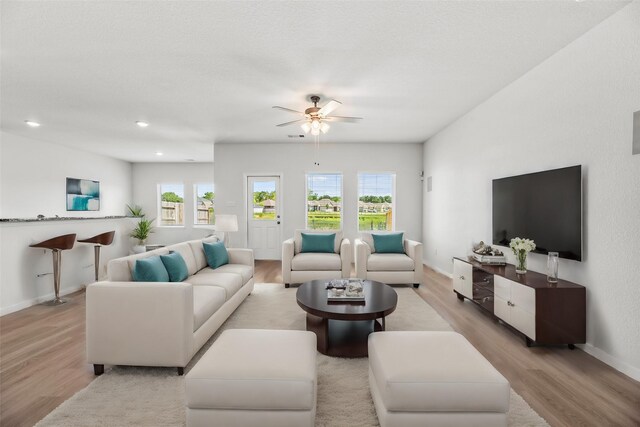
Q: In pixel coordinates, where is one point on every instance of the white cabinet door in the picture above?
(523, 309)
(501, 309)
(462, 278)
(523, 321)
(515, 304)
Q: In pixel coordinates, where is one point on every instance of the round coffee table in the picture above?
(342, 329)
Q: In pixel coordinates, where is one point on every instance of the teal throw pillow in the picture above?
(176, 267)
(316, 242)
(216, 254)
(391, 243)
(150, 270)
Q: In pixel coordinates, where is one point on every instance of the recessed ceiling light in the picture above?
(32, 123)
(159, 153)
(142, 124)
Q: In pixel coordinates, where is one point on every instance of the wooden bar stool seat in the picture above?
(57, 245)
(103, 239)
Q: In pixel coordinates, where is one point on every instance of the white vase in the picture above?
(138, 249)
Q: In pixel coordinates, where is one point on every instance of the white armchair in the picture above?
(390, 268)
(299, 267)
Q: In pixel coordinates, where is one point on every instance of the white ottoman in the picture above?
(435, 379)
(254, 377)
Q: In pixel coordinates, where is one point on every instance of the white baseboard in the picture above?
(614, 362)
(28, 303)
(439, 270)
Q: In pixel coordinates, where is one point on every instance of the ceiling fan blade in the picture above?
(291, 123)
(343, 119)
(288, 109)
(329, 107)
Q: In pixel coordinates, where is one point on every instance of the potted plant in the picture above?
(135, 211)
(141, 232)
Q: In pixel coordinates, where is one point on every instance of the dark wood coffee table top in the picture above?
(380, 301)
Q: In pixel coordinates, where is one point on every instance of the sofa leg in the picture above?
(180, 371)
(416, 285)
(286, 285)
(98, 369)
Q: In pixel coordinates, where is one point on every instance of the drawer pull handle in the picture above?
(461, 277)
(510, 304)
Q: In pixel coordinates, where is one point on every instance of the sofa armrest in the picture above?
(362, 251)
(346, 255)
(287, 256)
(139, 323)
(413, 250)
(241, 256)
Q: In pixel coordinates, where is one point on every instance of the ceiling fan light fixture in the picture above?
(315, 124)
(306, 127)
(315, 132)
(324, 127)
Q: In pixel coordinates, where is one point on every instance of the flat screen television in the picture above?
(543, 206)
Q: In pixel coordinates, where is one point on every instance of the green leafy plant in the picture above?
(142, 230)
(135, 211)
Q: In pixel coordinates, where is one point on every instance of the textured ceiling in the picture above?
(205, 72)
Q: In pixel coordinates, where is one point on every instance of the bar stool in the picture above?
(57, 245)
(104, 239)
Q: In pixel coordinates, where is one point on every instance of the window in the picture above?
(376, 197)
(204, 211)
(264, 198)
(171, 204)
(324, 201)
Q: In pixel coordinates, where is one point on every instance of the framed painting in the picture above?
(83, 195)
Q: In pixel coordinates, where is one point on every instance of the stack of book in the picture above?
(345, 291)
(490, 259)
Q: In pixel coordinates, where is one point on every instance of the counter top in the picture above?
(57, 218)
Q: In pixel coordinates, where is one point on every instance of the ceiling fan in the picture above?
(316, 119)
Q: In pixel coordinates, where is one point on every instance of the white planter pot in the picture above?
(138, 249)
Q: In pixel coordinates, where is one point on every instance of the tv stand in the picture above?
(545, 313)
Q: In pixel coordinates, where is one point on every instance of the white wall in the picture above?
(575, 108)
(293, 161)
(33, 181)
(147, 176)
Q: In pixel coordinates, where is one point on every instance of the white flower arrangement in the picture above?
(521, 247)
(519, 244)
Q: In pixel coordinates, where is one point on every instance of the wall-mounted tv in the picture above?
(543, 206)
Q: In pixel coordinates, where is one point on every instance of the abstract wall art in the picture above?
(83, 195)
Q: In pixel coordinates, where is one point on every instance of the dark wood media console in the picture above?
(546, 313)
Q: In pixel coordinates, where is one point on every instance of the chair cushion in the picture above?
(388, 243)
(216, 254)
(206, 301)
(297, 239)
(230, 282)
(390, 262)
(314, 261)
(245, 271)
(427, 371)
(150, 269)
(255, 369)
(318, 242)
(175, 266)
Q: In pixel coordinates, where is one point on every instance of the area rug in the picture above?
(126, 396)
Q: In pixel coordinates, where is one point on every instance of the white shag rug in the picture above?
(125, 396)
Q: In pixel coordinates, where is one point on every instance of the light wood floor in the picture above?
(42, 352)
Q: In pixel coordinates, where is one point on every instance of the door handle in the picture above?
(278, 222)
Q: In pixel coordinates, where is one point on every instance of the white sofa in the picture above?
(300, 267)
(389, 268)
(163, 323)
